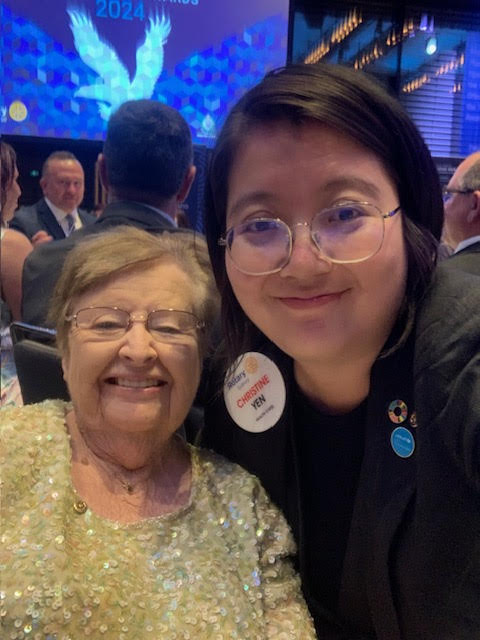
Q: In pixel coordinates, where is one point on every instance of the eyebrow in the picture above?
(352, 182)
(254, 197)
(330, 188)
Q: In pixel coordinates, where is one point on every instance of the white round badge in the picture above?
(254, 392)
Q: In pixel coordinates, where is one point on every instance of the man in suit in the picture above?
(462, 213)
(147, 170)
(56, 215)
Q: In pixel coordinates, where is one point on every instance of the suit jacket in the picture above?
(413, 553)
(44, 264)
(39, 217)
(467, 259)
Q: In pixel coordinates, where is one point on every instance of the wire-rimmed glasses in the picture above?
(111, 323)
(345, 233)
(449, 193)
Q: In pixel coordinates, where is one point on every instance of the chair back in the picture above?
(38, 363)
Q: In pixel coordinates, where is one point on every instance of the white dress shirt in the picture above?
(61, 216)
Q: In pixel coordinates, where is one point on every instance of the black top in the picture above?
(331, 449)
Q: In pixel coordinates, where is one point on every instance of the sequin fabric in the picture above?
(217, 568)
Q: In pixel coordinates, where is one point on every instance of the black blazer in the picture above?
(43, 265)
(413, 554)
(39, 217)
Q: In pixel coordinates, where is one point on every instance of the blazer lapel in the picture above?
(49, 222)
(386, 487)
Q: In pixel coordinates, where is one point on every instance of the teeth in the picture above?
(149, 382)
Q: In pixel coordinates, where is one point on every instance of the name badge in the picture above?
(254, 392)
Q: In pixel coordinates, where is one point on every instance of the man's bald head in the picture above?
(462, 204)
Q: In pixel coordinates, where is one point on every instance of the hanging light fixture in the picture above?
(431, 45)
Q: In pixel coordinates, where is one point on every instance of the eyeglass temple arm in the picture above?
(392, 213)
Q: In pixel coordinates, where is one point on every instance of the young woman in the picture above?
(324, 208)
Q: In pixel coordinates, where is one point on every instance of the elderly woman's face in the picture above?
(134, 382)
(314, 310)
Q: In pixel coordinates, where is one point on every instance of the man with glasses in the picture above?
(462, 210)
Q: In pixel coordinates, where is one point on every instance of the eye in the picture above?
(259, 231)
(109, 321)
(166, 329)
(104, 324)
(346, 214)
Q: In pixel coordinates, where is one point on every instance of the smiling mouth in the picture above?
(136, 384)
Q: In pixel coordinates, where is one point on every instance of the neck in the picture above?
(127, 482)
(336, 389)
(168, 206)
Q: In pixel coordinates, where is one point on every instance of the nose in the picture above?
(138, 344)
(306, 259)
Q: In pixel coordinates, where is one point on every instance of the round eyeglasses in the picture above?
(346, 233)
(111, 323)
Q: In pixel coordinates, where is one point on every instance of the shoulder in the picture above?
(15, 241)
(222, 474)
(86, 217)
(27, 430)
(35, 455)
(47, 252)
(447, 364)
(238, 491)
(27, 211)
(242, 506)
(27, 219)
(449, 312)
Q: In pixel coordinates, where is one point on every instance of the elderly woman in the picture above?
(15, 248)
(113, 527)
(358, 410)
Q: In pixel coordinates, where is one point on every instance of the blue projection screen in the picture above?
(67, 65)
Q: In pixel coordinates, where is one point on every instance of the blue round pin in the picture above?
(403, 442)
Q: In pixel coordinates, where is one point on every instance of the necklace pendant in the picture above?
(129, 488)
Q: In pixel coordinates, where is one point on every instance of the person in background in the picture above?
(147, 170)
(353, 399)
(462, 211)
(99, 209)
(14, 249)
(56, 215)
(129, 532)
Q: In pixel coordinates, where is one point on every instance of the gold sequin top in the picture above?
(216, 568)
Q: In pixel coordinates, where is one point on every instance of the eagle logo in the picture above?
(115, 86)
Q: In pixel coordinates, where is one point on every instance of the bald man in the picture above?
(56, 215)
(462, 210)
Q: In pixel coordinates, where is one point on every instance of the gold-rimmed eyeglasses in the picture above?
(111, 323)
(345, 233)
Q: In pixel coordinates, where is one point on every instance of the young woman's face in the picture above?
(312, 309)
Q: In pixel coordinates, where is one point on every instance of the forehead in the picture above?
(290, 163)
(64, 168)
(164, 284)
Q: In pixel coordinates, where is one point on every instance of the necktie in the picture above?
(70, 220)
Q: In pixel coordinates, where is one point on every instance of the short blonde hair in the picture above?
(100, 257)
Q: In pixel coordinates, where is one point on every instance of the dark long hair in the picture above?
(8, 160)
(355, 105)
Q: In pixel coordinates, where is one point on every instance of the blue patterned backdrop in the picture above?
(42, 75)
